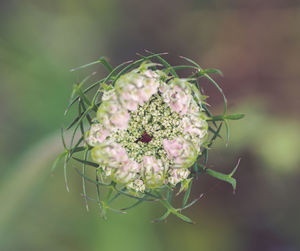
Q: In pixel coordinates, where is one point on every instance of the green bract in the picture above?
(145, 131)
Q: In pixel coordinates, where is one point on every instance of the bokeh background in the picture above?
(257, 46)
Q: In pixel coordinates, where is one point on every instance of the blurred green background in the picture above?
(257, 46)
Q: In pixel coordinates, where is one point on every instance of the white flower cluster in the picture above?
(149, 131)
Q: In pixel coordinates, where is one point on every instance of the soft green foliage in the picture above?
(88, 108)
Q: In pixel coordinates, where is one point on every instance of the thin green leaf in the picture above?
(58, 159)
(184, 218)
(65, 173)
(181, 67)
(77, 125)
(83, 180)
(117, 210)
(223, 177)
(74, 122)
(79, 85)
(113, 72)
(191, 61)
(63, 139)
(89, 119)
(208, 113)
(228, 116)
(192, 202)
(166, 64)
(203, 73)
(82, 96)
(235, 168)
(114, 198)
(169, 195)
(86, 162)
(72, 102)
(133, 205)
(227, 132)
(101, 60)
(91, 180)
(152, 195)
(235, 116)
(196, 93)
(89, 198)
(130, 195)
(104, 61)
(98, 195)
(217, 71)
(134, 64)
(163, 217)
(219, 89)
(216, 134)
(187, 194)
(86, 65)
(81, 124)
(78, 149)
(205, 153)
(104, 80)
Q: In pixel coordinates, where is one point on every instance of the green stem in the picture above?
(109, 193)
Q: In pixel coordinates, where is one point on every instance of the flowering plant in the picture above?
(145, 131)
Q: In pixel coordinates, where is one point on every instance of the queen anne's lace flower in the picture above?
(149, 130)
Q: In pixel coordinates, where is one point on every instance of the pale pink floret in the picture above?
(151, 74)
(129, 97)
(177, 175)
(135, 90)
(96, 135)
(149, 89)
(177, 97)
(163, 88)
(172, 147)
(120, 119)
(117, 153)
(113, 116)
(150, 163)
(137, 185)
(181, 151)
(127, 172)
(153, 171)
(195, 127)
(192, 125)
(112, 155)
(109, 95)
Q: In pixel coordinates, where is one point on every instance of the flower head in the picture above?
(150, 130)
